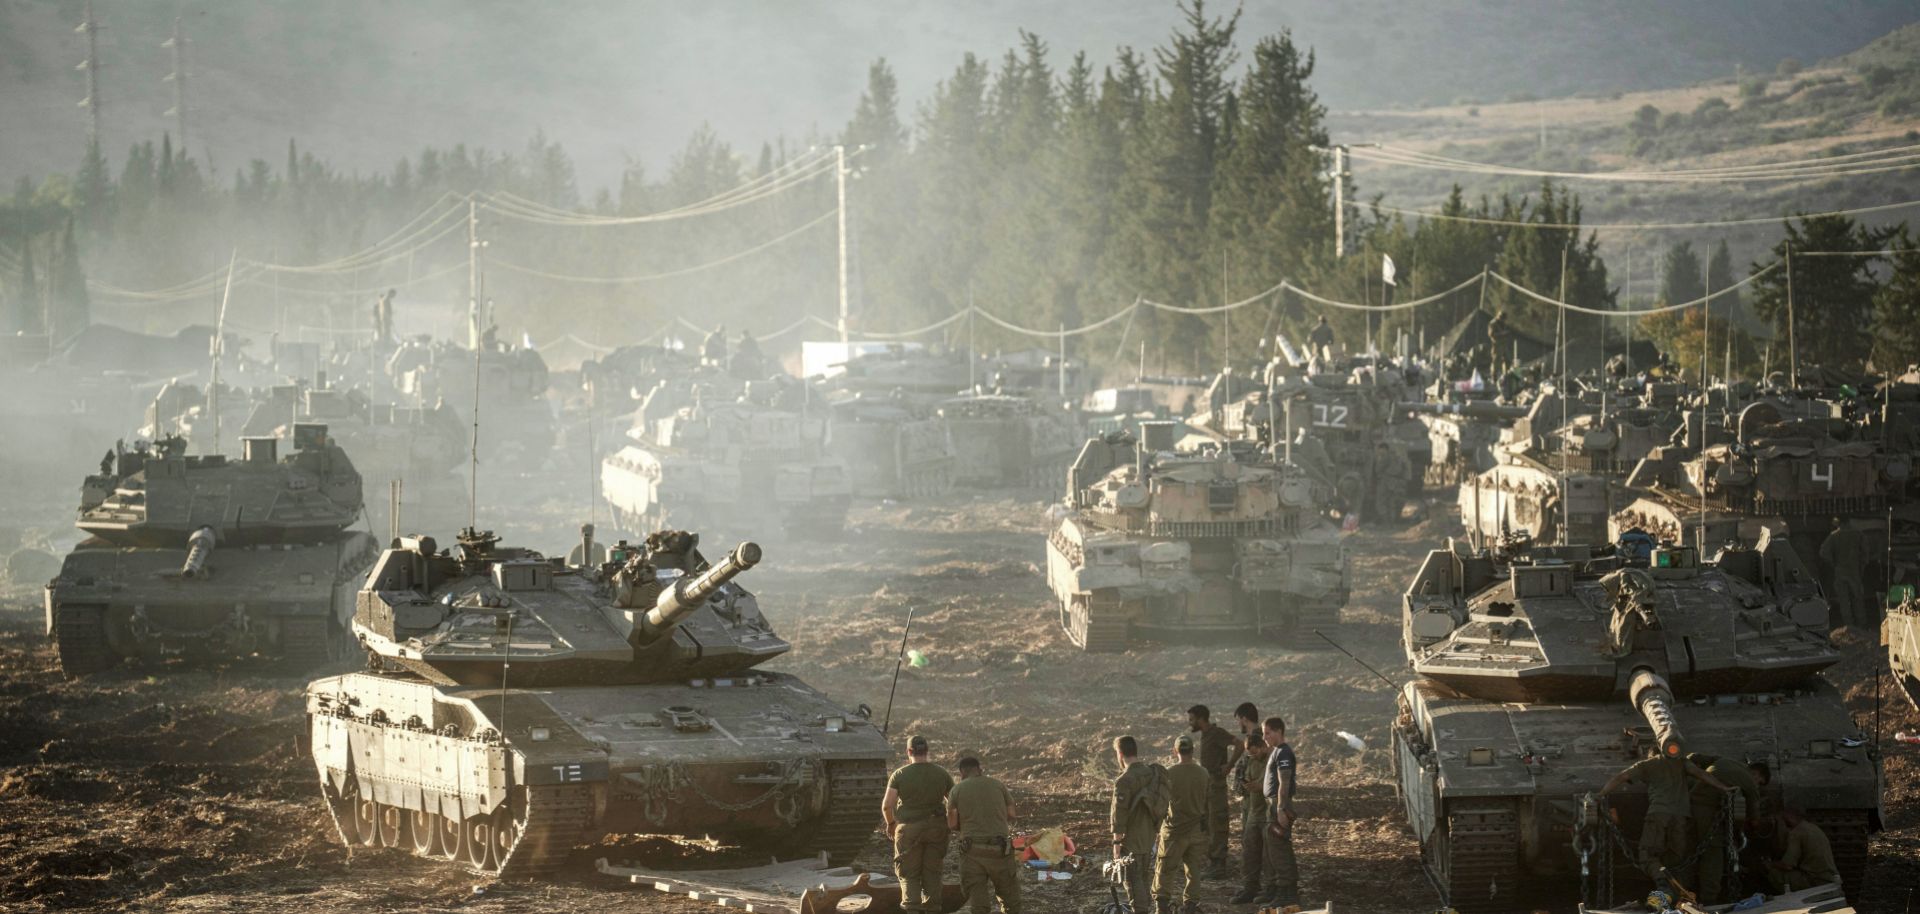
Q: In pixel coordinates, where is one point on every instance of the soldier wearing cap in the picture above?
(914, 812)
(1183, 836)
(980, 811)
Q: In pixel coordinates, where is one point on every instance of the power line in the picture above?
(1643, 226)
(1892, 159)
(683, 271)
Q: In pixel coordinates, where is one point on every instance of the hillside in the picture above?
(364, 83)
(1866, 99)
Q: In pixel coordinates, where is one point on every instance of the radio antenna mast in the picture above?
(219, 349)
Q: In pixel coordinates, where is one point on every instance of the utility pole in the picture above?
(1793, 351)
(840, 188)
(1339, 176)
(90, 27)
(179, 79)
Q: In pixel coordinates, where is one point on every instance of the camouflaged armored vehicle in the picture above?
(512, 385)
(1543, 671)
(520, 706)
(1154, 543)
(207, 555)
(697, 453)
(1009, 440)
(891, 448)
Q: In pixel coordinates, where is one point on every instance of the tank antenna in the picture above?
(219, 349)
(1369, 667)
(888, 721)
(473, 456)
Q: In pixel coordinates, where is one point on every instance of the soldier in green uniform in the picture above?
(1183, 836)
(912, 808)
(980, 811)
(1135, 818)
(1259, 856)
(1710, 824)
(1663, 836)
(1843, 553)
(1277, 787)
(1808, 860)
(1216, 745)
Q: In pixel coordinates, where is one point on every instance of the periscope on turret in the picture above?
(520, 705)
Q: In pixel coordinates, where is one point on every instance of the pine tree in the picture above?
(1833, 296)
(1896, 307)
(876, 122)
(68, 307)
(1680, 275)
(1720, 276)
(96, 187)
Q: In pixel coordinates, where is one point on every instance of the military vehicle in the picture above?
(891, 448)
(1161, 544)
(512, 385)
(1009, 440)
(1461, 437)
(519, 706)
(210, 556)
(1903, 640)
(1543, 671)
(696, 453)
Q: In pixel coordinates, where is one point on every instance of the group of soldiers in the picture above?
(1689, 833)
(1169, 821)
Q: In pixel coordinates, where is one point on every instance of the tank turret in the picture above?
(1542, 672)
(1473, 409)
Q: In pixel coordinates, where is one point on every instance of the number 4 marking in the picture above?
(1828, 478)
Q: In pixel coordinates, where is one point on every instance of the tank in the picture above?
(512, 383)
(1460, 436)
(519, 706)
(1009, 440)
(1903, 640)
(211, 556)
(1542, 672)
(699, 451)
(1158, 544)
(891, 447)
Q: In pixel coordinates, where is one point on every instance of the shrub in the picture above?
(1789, 66)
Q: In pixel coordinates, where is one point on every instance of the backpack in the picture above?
(1156, 798)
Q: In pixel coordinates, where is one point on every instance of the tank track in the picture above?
(309, 642)
(1095, 636)
(556, 816)
(80, 637)
(1297, 633)
(854, 789)
(1847, 831)
(1477, 864)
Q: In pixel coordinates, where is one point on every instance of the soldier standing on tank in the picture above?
(1808, 859)
(1183, 836)
(1277, 786)
(1843, 554)
(980, 811)
(1321, 339)
(1711, 825)
(713, 349)
(1500, 340)
(1663, 836)
(912, 809)
(1135, 819)
(1216, 747)
(383, 317)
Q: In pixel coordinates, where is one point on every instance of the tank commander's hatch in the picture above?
(521, 575)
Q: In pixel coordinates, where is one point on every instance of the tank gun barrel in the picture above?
(1472, 410)
(1653, 698)
(199, 548)
(690, 592)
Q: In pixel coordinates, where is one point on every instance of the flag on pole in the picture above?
(1386, 269)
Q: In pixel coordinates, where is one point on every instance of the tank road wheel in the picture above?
(393, 827)
(479, 844)
(453, 838)
(80, 635)
(366, 822)
(425, 829)
(505, 832)
(1475, 859)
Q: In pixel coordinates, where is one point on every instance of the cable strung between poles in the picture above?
(1642, 226)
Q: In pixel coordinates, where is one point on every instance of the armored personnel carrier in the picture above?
(1543, 671)
(520, 705)
(891, 448)
(728, 461)
(206, 555)
(1161, 544)
(1009, 440)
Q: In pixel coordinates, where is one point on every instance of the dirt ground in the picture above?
(176, 788)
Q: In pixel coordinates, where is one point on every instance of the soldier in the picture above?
(911, 808)
(1500, 340)
(980, 811)
(1183, 836)
(1247, 718)
(1713, 828)
(713, 349)
(1321, 339)
(383, 317)
(1135, 817)
(1808, 860)
(1216, 745)
(1844, 556)
(1663, 836)
(1257, 853)
(1283, 873)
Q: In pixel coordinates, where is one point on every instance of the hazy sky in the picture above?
(362, 83)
